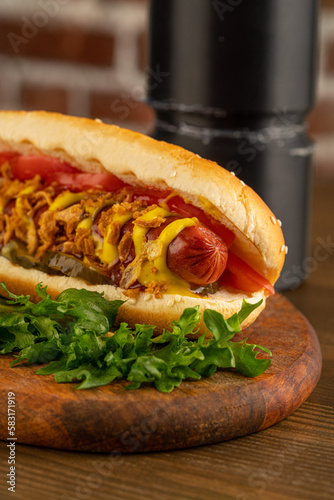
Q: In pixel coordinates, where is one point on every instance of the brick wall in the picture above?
(88, 58)
(82, 57)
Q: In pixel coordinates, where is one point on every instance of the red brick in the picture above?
(66, 43)
(120, 108)
(142, 47)
(46, 98)
(321, 118)
(327, 3)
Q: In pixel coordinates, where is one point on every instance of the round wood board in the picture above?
(224, 406)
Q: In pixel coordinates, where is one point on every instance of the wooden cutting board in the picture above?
(222, 407)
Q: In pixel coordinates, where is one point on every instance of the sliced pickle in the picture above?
(58, 263)
(53, 263)
(16, 252)
(206, 289)
(71, 266)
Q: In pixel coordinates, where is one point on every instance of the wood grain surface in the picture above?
(291, 460)
(214, 409)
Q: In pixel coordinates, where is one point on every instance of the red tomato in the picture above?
(80, 181)
(6, 157)
(27, 166)
(241, 276)
(178, 205)
(68, 177)
(151, 195)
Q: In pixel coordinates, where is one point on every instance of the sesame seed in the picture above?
(242, 183)
(173, 174)
(98, 120)
(170, 303)
(147, 297)
(132, 302)
(279, 222)
(282, 248)
(273, 220)
(286, 249)
(177, 298)
(232, 173)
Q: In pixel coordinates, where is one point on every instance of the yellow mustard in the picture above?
(88, 222)
(176, 285)
(66, 199)
(140, 232)
(109, 251)
(19, 205)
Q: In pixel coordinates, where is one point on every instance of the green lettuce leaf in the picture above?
(75, 339)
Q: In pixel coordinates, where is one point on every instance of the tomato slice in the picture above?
(67, 177)
(151, 195)
(6, 157)
(80, 181)
(241, 276)
(27, 166)
(178, 205)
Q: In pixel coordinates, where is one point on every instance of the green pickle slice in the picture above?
(71, 266)
(54, 263)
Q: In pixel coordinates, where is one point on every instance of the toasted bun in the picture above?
(139, 160)
(144, 309)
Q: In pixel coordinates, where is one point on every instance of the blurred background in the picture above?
(81, 57)
(89, 58)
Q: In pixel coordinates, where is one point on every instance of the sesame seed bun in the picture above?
(139, 160)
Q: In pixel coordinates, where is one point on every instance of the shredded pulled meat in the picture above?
(11, 188)
(157, 288)
(114, 232)
(132, 272)
(15, 227)
(153, 223)
(132, 293)
(32, 238)
(69, 218)
(118, 210)
(70, 248)
(27, 215)
(47, 229)
(124, 247)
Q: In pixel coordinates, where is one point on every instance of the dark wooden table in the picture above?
(292, 460)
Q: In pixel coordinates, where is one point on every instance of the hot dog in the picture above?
(197, 254)
(90, 205)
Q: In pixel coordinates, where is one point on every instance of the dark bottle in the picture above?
(233, 81)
